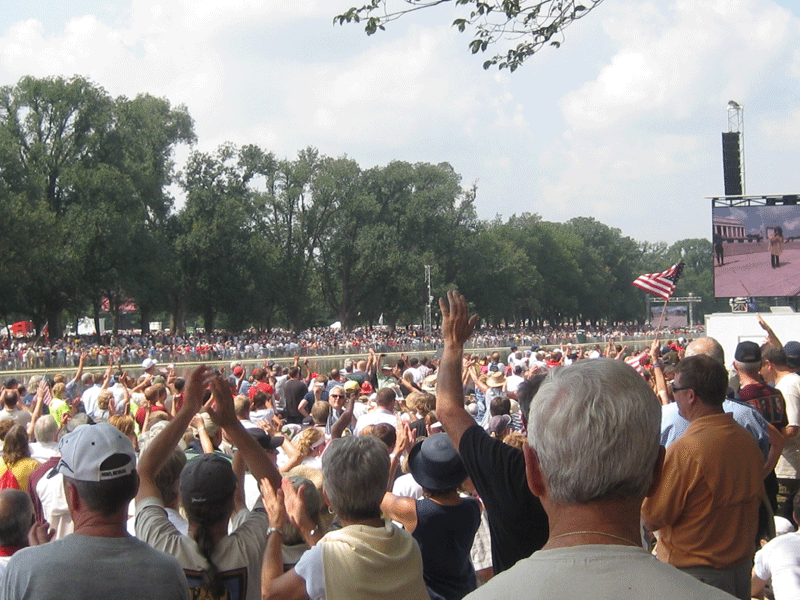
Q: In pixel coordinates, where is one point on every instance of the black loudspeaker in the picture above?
(731, 167)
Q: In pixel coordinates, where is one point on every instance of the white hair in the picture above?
(355, 473)
(595, 428)
(45, 429)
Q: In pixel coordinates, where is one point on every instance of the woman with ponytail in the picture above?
(216, 564)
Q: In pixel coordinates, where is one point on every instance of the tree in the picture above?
(346, 251)
(422, 216)
(214, 231)
(50, 131)
(617, 257)
(293, 220)
(530, 24)
(91, 173)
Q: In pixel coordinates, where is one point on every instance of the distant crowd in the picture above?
(577, 471)
(132, 348)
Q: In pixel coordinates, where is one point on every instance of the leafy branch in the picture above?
(531, 23)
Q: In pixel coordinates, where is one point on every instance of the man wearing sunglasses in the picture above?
(706, 505)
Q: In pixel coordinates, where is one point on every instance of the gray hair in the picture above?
(595, 428)
(355, 473)
(45, 429)
(16, 517)
(33, 383)
(751, 368)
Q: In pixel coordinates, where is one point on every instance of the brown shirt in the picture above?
(706, 506)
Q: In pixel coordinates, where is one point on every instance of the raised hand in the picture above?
(457, 325)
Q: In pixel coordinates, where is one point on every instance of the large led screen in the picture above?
(756, 251)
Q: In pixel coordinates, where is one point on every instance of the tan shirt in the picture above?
(706, 506)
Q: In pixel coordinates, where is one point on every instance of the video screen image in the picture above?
(756, 251)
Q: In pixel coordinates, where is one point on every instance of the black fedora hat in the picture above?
(435, 464)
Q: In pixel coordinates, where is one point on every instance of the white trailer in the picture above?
(731, 328)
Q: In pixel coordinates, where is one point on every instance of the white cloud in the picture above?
(623, 123)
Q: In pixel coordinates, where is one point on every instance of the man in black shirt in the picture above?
(294, 390)
(517, 521)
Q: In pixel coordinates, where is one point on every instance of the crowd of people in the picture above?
(131, 348)
(580, 471)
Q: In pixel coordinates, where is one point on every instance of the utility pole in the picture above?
(429, 305)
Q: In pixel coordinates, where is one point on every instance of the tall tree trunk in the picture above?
(53, 322)
(208, 319)
(144, 318)
(96, 313)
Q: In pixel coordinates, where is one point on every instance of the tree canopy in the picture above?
(524, 26)
(264, 241)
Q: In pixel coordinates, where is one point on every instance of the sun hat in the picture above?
(435, 464)
(429, 384)
(496, 379)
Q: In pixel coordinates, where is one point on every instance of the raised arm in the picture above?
(338, 427)
(107, 376)
(223, 414)
(658, 372)
(81, 362)
(401, 509)
(164, 443)
(457, 326)
(37, 407)
(772, 339)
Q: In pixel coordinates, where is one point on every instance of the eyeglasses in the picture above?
(676, 388)
(334, 395)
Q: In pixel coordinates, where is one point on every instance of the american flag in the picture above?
(47, 396)
(635, 361)
(661, 284)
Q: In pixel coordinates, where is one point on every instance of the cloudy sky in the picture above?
(757, 219)
(622, 123)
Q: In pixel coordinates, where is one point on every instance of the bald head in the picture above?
(16, 517)
(706, 346)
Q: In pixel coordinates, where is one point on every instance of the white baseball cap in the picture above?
(84, 450)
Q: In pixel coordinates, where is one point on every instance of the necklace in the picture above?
(611, 535)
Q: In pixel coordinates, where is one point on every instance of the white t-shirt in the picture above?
(407, 486)
(779, 561)
(788, 466)
(89, 399)
(513, 382)
(43, 451)
(54, 504)
(379, 415)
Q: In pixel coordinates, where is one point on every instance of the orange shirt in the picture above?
(706, 506)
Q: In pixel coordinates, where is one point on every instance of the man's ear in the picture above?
(71, 493)
(533, 472)
(658, 471)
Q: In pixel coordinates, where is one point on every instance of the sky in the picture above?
(622, 123)
(757, 219)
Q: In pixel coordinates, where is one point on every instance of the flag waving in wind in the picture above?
(661, 284)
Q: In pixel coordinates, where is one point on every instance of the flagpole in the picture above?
(661, 319)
